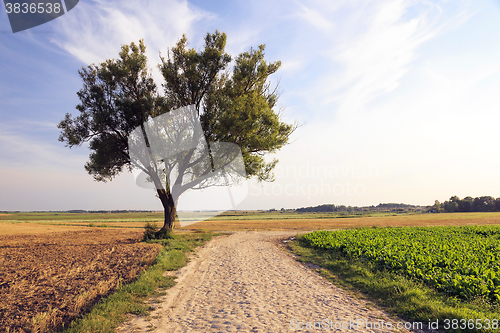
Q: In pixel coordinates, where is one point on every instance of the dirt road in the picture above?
(245, 283)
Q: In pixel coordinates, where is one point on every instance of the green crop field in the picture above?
(458, 261)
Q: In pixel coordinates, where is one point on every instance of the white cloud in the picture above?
(365, 49)
(376, 59)
(95, 30)
(378, 95)
(358, 73)
(315, 18)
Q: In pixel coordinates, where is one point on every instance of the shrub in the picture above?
(149, 231)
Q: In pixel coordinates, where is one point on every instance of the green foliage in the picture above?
(458, 261)
(382, 207)
(235, 108)
(164, 234)
(400, 295)
(190, 74)
(117, 96)
(151, 232)
(242, 112)
(468, 204)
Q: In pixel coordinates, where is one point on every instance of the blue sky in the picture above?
(397, 100)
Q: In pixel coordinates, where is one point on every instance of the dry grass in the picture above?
(34, 229)
(355, 222)
(30, 223)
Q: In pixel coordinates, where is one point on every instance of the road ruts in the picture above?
(245, 283)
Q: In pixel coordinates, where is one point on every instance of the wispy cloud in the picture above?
(378, 87)
(315, 18)
(95, 30)
(375, 61)
(358, 73)
(364, 49)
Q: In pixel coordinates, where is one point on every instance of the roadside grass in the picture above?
(111, 311)
(412, 301)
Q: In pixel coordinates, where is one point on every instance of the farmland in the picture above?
(55, 266)
(238, 220)
(316, 221)
(48, 278)
(458, 261)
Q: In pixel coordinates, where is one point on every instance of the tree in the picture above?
(437, 207)
(452, 205)
(466, 204)
(483, 204)
(120, 96)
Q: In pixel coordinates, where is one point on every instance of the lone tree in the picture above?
(235, 106)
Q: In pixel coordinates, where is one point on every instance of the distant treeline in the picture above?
(467, 204)
(454, 204)
(383, 207)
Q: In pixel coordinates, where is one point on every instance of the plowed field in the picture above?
(46, 280)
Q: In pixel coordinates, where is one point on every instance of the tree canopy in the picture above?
(469, 204)
(233, 105)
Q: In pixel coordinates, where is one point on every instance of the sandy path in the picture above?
(245, 283)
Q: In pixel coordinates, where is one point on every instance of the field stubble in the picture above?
(49, 279)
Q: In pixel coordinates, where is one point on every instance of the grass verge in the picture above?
(110, 312)
(412, 301)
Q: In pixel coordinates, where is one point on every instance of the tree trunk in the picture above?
(169, 210)
(164, 194)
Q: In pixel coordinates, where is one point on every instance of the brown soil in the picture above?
(49, 279)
